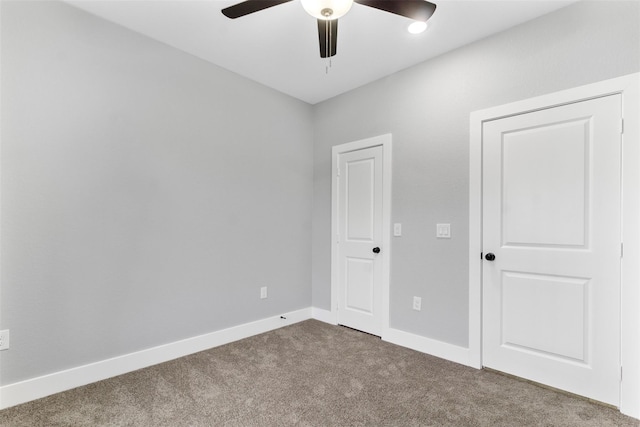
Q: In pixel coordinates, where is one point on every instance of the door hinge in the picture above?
(481, 255)
(621, 250)
(621, 125)
(621, 373)
(338, 172)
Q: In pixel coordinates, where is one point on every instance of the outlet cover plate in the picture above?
(263, 292)
(417, 303)
(4, 340)
(443, 231)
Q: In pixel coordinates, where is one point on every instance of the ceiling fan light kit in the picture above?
(331, 10)
(327, 9)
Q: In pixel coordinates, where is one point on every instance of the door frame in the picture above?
(385, 141)
(629, 87)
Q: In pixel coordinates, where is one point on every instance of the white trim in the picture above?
(419, 343)
(475, 242)
(629, 87)
(630, 290)
(35, 388)
(322, 315)
(386, 142)
(430, 346)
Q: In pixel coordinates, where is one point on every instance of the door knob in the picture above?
(489, 257)
(376, 250)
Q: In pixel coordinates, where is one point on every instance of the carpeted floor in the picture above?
(311, 374)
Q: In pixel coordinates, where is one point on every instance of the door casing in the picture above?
(385, 141)
(629, 87)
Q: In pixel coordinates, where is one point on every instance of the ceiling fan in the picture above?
(327, 13)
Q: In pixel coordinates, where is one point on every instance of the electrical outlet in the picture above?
(417, 303)
(443, 231)
(4, 340)
(263, 292)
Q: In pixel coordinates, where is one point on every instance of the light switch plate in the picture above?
(443, 231)
(397, 229)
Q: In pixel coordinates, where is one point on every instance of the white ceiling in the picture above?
(278, 47)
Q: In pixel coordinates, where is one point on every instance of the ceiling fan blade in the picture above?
(328, 36)
(419, 10)
(250, 6)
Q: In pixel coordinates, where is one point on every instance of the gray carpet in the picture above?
(311, 374)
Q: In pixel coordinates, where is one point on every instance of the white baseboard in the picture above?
(36, 388)
(419, 343)
(323, 315)
(430, 346)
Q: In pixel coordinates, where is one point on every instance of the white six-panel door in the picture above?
(552, 219)
(359, 239)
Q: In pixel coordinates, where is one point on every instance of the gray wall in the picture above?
(146, 194)
(426, 108)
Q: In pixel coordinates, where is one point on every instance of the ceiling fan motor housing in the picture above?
(327, 9)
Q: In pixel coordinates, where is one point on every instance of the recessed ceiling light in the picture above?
(417, 27)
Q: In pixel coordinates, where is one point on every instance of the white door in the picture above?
(359, 239)
(551, 218)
